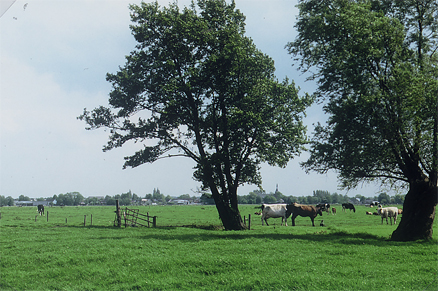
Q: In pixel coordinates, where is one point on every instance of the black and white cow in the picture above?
(374, 203)
(274, 211)
(324, 207)
(41, 209)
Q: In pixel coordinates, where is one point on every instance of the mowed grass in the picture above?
(189, 251)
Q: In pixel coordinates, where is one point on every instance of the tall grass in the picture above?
(350, 253)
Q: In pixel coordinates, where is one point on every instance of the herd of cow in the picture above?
(295, 209)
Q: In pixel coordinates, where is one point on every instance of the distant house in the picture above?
(24, 203)
(145, 201)
(179, 202)
(44, 202)
(32, 203)
(97, 197)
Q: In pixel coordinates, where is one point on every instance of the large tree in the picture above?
(195, 86)
(376, 69)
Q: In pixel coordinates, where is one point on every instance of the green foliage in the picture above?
(251, 198)
(376, 65)
(6, 201)
(70, 199)
(110, 200)
(23, 198)
(156, 194)
(196, 86)
(384, 198)
(58, 256)
(184, 197)
(269, 199)
(376, 68)
(207, 199)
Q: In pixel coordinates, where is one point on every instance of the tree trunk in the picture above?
(418, 212)
(230, 216)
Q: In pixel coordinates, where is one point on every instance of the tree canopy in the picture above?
(377, 75)
(196, 86)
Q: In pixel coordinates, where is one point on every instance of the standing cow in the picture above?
(41, 209)
(386, 212)
(324, 207)
(303, 210)
(348, 206)
(274, 211)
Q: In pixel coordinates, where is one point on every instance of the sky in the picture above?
(54, 57)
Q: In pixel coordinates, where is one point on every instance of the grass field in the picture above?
(189, 251)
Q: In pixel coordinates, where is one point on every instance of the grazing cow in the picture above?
(303, 210)
(375, 213)
(274, 211)
(400, 211)
(41, 209)
(388, 212)
(374, 203)
(324, 207)
(369, 213)
(348, 206)
(333, 210)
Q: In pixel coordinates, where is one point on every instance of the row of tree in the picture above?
(319, 196)
(76, 198)
(254, 197)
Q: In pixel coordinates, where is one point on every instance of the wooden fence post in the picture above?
(85, 219)
(125, 216)
(119, 218)
(47, 213)
(154, 221)
(147, 217)
(249, 221)
(35, 217)
(66, 220)
(91, 219)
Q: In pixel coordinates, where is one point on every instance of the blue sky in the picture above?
(54, 58)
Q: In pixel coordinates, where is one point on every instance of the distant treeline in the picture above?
(319, 196)
(254, 197)
(76, 198)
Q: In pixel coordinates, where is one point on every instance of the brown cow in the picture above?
(302, 210)
(334, 210)
(400, 211)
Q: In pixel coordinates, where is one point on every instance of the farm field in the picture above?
(189, 251)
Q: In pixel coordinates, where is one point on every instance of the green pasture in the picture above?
(189, 251)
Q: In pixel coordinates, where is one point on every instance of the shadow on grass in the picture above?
(215, 232)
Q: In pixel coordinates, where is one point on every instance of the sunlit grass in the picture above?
(351, 253)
